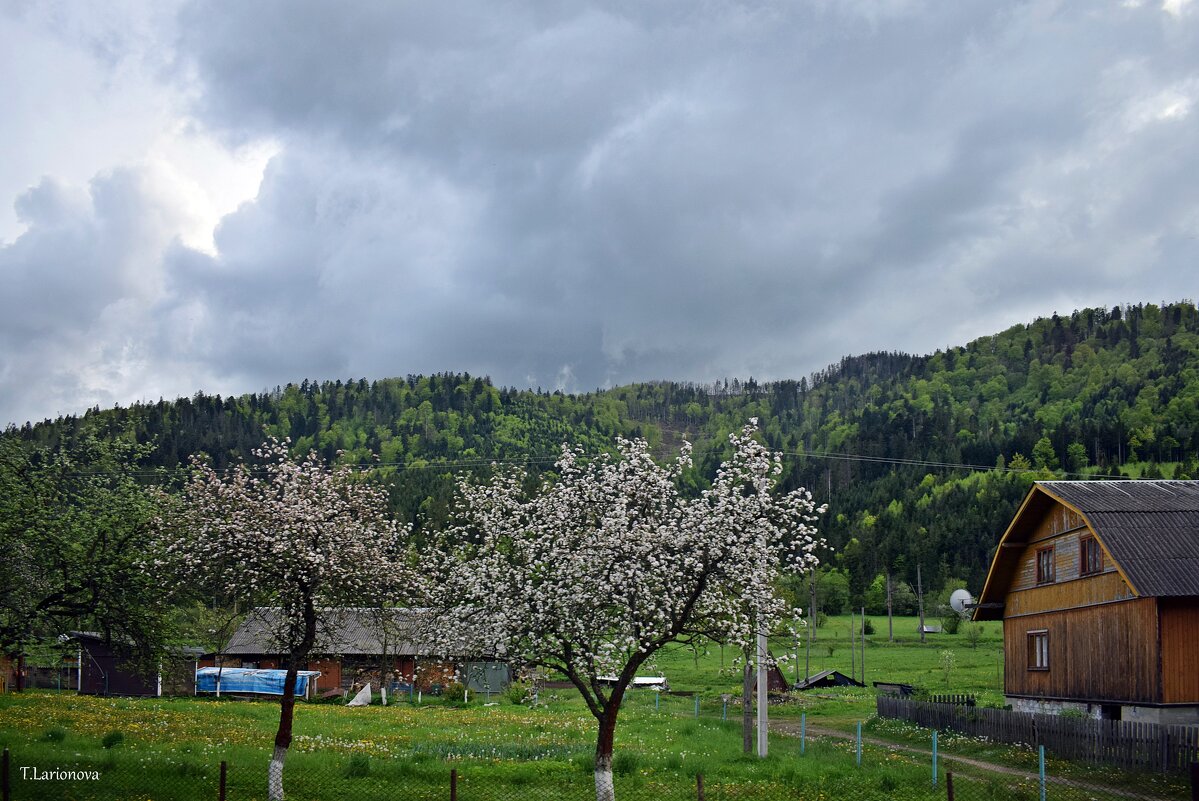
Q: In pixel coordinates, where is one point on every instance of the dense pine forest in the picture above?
(921, 459)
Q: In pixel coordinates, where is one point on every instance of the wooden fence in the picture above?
(960, 700)
(1125, 744)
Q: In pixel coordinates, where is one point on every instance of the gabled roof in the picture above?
(345, 631)
(1150, 529)
(827, 678)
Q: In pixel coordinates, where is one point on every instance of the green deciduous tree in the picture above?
(74, 525)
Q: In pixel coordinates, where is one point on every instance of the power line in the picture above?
(466, 464)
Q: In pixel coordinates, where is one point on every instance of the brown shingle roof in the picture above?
(344, 631)
(1151, 529)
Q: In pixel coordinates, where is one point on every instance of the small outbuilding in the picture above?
(827, 678)
(104, 669)
(10, 673)
(1097, 585)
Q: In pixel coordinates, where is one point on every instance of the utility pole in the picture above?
(807, 665)
(763, 699)
(920, 600)
(863, 619)
(890, 623)
(853, 648)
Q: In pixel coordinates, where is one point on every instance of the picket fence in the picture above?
(1124, 744)
(962, 700)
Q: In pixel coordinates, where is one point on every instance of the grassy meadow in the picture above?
(171, 748)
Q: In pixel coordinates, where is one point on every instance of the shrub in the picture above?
(55, 735)
(951, 623)
(113, 738)
(359, 766)
(517, 692)
(868, 626)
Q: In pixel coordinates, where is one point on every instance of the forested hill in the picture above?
(878, 436)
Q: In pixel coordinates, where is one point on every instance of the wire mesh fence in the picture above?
(316, 777)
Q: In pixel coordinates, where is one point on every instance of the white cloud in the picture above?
(234, 195)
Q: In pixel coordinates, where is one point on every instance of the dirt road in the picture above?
(791, 729)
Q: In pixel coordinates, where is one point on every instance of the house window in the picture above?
(1046, 572)
(1038, 650)
(1090, 556)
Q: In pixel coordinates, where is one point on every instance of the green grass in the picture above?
(171, 748)
(977, 666)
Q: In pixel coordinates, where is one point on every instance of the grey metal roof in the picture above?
(345, 631)
(1151, 529)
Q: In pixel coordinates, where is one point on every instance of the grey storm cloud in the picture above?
(572, 195)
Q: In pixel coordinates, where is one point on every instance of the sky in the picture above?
(228, 196)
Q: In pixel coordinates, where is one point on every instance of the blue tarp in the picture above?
(248, 680)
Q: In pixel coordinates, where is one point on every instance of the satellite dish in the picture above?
(959, 600)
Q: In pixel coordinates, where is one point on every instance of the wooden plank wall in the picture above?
(1097, 652)
(1102, 588)
(1063, 529)
(1180, 650)
(1127, 745)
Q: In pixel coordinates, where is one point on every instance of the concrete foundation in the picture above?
(1165, 715)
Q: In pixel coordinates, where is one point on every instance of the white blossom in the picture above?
(592, 573)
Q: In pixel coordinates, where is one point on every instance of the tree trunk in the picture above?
(287, 709)
(287, 704)
(604, 789)
(747, 716)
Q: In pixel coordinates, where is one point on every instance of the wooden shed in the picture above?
(1097, 584)
(103, 670)
(359, 645)
(10, 673)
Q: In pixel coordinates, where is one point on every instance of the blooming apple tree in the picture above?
(592, 573)
(295, 536)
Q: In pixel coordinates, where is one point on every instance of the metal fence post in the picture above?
(949, 785)
(5, 789)
(1194, 780)
(1041, 763)
(699, 787)
(934, 757)
(803, 732)
(221, 789)
(860, 746)
(697, 705)
(453, 784)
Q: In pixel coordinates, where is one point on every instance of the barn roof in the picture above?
(1150, 529)
(344, 631)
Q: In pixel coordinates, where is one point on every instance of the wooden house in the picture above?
(355, 646)
(1097, 584)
